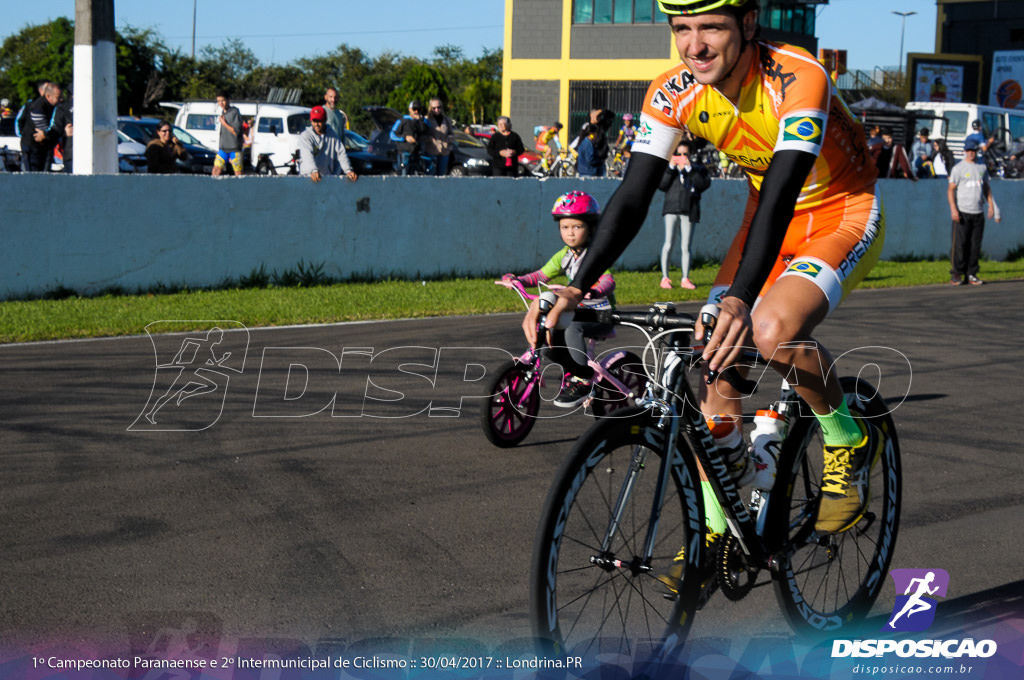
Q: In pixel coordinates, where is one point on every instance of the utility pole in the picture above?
(95, 89)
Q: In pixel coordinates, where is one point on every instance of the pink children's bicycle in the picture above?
(512, 408)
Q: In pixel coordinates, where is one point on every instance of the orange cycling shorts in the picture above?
(833, 245)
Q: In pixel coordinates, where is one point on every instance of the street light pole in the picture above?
(903, 28)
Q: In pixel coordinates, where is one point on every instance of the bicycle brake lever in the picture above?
(708, 317)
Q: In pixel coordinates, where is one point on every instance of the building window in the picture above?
(791, 19)
(617, 12)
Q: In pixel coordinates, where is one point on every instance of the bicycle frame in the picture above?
(533, 355)
(667, 390)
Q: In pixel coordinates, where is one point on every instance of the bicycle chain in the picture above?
(736, 576)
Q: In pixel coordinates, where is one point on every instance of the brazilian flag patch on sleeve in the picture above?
(804, 129)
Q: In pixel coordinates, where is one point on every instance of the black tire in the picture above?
(456, 171)
(579, 608)
(265, 168)
(506, 416)
(827, 583)
(629, 370)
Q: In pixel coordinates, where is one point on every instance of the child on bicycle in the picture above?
(576, 213)
(547, 143)
(627, 134)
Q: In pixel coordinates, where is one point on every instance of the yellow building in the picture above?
(563, 58)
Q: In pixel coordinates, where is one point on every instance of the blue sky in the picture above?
(280, 32)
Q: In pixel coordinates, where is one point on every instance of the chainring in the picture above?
(736, 575)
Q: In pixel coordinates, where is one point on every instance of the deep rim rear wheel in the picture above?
(828, 582)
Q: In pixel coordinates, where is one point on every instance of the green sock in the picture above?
(713, 512)
(839, 428)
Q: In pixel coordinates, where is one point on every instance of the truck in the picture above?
(952, 121)
(275, 127)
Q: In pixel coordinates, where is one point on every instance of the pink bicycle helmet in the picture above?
(627, 116)
(578, 204)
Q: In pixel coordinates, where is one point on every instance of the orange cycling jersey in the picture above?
(787, 101)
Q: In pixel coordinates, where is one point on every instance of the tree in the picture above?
(422, 82)
(475, 85)
(139, 83)
(34, 54)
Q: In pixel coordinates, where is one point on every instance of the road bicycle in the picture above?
(265, 165)
(626, 509)
(564, 165)
(616, 164)
(510, 412)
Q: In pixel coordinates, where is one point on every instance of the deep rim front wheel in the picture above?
(597, 591)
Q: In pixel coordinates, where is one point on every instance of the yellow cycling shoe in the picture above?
(844, 484)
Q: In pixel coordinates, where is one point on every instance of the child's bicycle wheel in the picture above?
(510, 411)
(627, 369)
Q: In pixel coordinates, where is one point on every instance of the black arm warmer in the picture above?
(622, 218)
(779, 191)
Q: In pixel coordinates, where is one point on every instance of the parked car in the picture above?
(276, 127)
(10, 146)
(469, 157)
(131, 156)
(363, 161)
(198, 159)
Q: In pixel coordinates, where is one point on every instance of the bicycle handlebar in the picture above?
(655, 318)
(666, 318)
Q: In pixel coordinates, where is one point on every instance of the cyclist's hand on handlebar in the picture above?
(733, 331)
(566, 299)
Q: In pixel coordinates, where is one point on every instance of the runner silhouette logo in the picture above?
(193, 369)
(917, 591)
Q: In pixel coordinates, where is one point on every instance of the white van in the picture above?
(952, 121)
(276, 126)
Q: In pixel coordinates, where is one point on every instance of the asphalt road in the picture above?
(324, 507)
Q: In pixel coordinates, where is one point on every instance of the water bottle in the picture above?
(729, 442)
(765, 444)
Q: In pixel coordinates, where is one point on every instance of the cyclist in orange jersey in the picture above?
(812, 228)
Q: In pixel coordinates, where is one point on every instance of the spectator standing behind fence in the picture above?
(942, 158)
(979, 137)
(336, 118)
(163, 151)
(321, 151)
(407, 133)
(891, 159)
(37, 137)
(921, 153)
(505, 146)
(63, 125)
(229, 148)
(683, 183)
(969, 192)
(593, 147)
(440, 141)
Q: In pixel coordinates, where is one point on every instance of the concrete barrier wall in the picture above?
(89, 234)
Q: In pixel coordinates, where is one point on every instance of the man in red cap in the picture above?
(321, 151)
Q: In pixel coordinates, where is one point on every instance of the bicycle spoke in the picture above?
(618, 606)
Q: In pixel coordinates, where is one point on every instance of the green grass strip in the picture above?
(112, 315)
